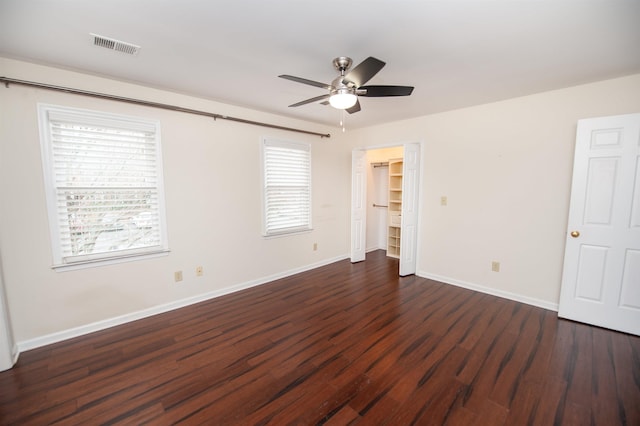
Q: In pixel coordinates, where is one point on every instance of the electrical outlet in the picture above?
(315, 246)
(495, 266)
(443, 200)
(177, 276)
(199, 271)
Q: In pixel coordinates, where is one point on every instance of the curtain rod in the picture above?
(8, 81)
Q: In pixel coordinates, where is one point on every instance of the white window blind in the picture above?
(104, 185)
(287, 187)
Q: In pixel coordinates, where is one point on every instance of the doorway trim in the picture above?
(355, 257)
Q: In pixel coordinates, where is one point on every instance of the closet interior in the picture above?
(384, 200)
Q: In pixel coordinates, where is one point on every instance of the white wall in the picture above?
(213, 196)
(506, 170)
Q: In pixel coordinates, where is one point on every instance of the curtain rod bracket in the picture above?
(170, 107)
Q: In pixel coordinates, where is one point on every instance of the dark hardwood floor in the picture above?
(342, 344)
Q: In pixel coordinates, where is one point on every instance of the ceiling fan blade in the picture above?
(305, 81)
(379, 91)
(364, 71)
(354, 108)
(308, 101)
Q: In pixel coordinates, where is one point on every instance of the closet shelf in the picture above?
(394, 217)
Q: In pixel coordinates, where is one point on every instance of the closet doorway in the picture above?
(384, 203)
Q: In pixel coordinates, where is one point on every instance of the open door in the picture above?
(358, 205)
(8, 348)
(410, 197)
(601, 277)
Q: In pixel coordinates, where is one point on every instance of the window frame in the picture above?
(267, 232)
(62, 261)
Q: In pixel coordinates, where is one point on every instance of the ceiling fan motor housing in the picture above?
(342, 63)
(338, 86)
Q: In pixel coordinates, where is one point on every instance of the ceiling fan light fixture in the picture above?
(343, 100)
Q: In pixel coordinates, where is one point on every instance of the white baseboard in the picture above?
(370, 249)
(48, 339)
(492, 291)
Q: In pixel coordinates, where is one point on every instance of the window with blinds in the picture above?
(287, 187)
(103, 176)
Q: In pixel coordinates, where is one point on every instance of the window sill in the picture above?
(94, 263)
(287, 233)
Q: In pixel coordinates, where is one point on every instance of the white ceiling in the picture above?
(455, 53)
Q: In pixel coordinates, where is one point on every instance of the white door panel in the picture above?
(358, 205)
(600, 190)
(630, 294)
(591, 272)
(601, 276)
(410, 196)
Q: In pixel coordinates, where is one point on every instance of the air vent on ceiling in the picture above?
(113, 44)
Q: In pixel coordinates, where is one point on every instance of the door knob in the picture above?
(575, 234)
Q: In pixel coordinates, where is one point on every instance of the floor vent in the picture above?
(113, 44)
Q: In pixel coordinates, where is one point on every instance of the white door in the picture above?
(601, 276)
(358, 205)
(8, 349)
(410, 197)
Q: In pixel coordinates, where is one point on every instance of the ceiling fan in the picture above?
(343, 92)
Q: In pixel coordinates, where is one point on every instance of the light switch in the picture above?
(443, 200)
